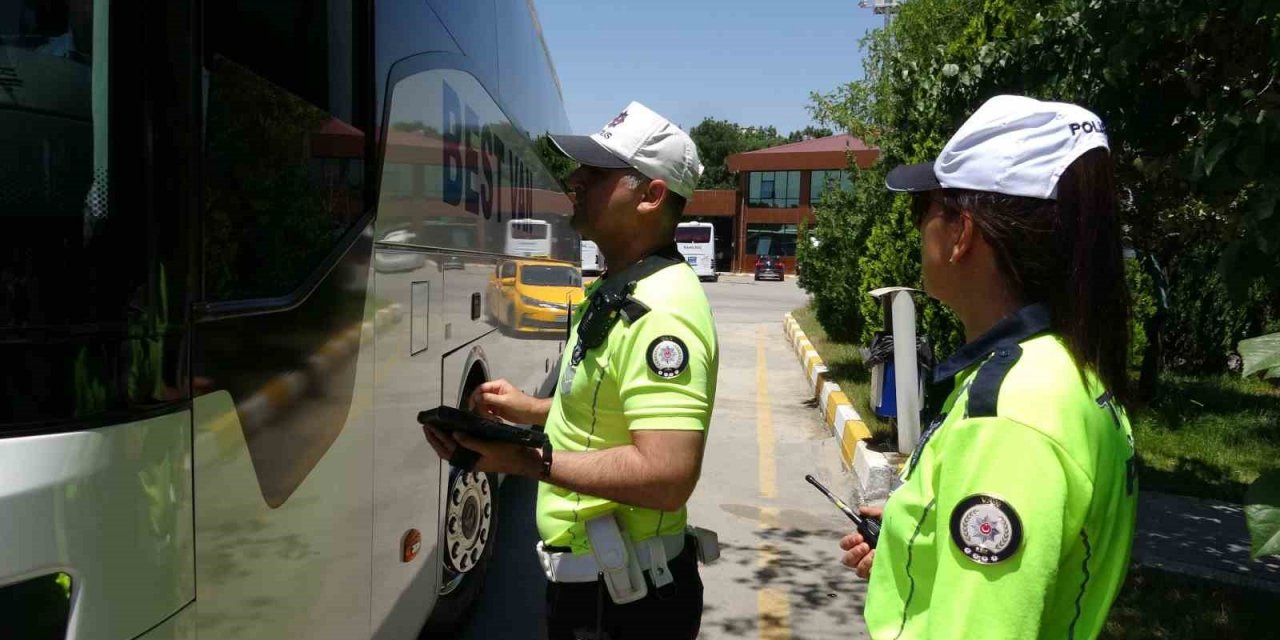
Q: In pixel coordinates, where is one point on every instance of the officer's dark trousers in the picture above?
(577, 610)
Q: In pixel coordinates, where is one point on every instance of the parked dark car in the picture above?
(769, 268)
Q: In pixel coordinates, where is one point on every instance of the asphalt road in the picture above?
(778, 576)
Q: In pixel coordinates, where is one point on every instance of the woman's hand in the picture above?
(858, 555)
(501, 399)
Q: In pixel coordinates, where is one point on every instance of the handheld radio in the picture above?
(870, 529)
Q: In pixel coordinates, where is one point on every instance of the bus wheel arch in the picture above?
(477, 369)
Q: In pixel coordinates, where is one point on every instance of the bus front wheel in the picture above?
(471, 517)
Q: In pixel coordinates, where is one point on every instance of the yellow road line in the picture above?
(775, 615)
(772, 604)
(768, 552)
(764, 422)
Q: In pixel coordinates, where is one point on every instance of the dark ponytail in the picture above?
(1067, 253)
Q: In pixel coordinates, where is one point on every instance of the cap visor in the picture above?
(912, 178)
(586, 151)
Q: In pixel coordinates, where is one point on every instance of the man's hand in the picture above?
(858, 555)
(501, 399)
(495, 457)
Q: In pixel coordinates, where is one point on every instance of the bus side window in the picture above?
(285, 166)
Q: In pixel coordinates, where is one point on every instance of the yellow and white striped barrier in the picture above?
(837, 411)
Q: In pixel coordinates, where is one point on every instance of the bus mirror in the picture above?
(507, 282)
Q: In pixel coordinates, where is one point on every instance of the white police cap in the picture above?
(1013, 145)
(643, 140)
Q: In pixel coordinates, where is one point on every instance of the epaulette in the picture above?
(985, 390)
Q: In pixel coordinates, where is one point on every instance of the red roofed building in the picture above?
(777, 188)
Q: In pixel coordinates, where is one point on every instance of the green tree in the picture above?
(719, 139)
(257, 160)
(551, 157)
(809, 133)
(830, 262)
(417, 126)
(1189, 95)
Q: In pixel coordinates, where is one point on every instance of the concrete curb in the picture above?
(837, 411)
(282, 391)
(874, 473)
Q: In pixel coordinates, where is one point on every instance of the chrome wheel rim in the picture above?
(467, 527)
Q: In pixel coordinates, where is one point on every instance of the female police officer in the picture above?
(1016, 516)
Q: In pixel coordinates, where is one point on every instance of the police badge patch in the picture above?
(668, 357)
(986, 529)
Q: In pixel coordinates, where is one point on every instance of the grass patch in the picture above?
(1157, 605)
(1207, 436)
(844, 366)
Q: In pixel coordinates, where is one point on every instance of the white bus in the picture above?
(592, 259)
(208, 424)
(697, 243)
(529, 238)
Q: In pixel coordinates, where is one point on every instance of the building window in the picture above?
(777, 189)
(771, 239)
(397, 180)
(822, 180)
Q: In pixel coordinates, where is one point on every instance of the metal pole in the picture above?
(885, 8)
(906, 372)
(900, 318)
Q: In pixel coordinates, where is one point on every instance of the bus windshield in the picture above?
(549, 276)
(693, 234)
(84, 291)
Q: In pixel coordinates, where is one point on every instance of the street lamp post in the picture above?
(884, 8)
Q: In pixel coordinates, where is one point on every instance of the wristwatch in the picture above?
(546, 461)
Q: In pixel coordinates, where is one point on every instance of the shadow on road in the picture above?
(1203, 538)
(796, 566)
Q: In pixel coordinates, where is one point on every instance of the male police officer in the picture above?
(629, 416)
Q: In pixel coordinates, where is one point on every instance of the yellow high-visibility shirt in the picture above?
(657, 373)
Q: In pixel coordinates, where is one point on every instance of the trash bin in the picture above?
(884, 391)
(879, 358)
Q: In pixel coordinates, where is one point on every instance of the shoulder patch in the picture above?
(668, 356)
(986, 529)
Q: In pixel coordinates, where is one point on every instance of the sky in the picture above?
(753, 62)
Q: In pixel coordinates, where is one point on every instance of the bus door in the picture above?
(95, 419)
(284, 435)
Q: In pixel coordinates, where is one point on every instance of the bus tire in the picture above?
(459, 592)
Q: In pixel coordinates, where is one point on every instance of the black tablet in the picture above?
(450, 419)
